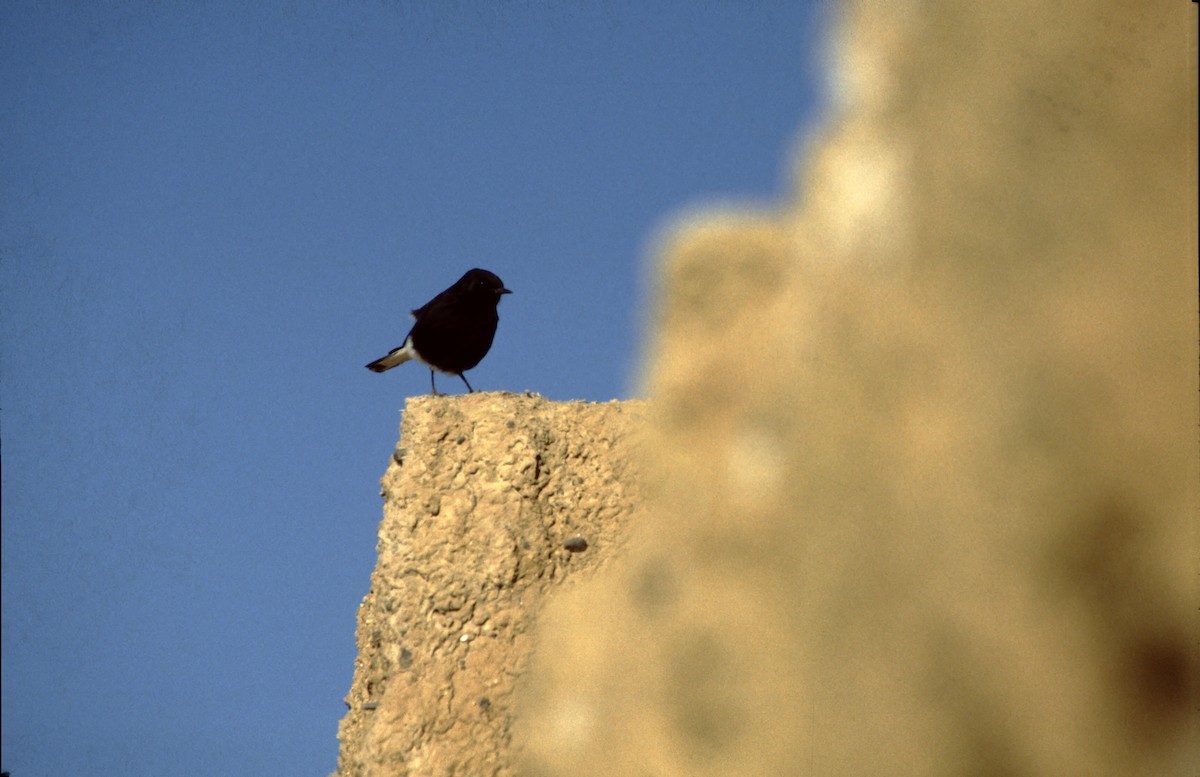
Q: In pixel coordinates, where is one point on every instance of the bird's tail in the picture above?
(395, 357)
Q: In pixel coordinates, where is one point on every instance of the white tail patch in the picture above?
(397, 356)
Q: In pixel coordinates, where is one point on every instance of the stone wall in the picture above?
(492, 503)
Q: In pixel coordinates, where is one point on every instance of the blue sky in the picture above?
(212, 216)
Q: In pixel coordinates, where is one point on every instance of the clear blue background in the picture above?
(213, 215)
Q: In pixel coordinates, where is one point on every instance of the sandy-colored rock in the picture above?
(480, 500)
(922, 472)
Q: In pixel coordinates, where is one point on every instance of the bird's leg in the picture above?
(433, 383)
(464, 379)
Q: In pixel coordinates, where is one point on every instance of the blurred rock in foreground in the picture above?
(922, 471)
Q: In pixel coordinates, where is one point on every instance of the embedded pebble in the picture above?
(576, 544)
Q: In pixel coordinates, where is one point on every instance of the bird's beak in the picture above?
(503, 290)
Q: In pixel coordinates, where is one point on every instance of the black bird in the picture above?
(454, 330)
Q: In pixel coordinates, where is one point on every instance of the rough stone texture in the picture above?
(480, 499)
(922, 473)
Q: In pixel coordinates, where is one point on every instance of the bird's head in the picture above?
(482, 283)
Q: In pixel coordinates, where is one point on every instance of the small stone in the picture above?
(485, 703)
(398, 455)
(370, 705)
(405, 658)
(576, 544)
